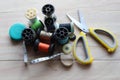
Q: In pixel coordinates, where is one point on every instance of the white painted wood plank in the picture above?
(14, 70)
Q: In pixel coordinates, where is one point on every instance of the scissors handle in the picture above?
(110, 47)
(89, 57)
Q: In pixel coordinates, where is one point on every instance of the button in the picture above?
(15, 31)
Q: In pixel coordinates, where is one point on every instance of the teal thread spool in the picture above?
(62, 35)
(63, 41)
(37, 24)
(70, 27)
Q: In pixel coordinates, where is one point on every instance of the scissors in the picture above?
(93, 32)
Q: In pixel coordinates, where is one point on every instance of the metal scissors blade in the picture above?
(82, 21)
(78, 24)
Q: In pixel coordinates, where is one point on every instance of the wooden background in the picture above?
(97, 13)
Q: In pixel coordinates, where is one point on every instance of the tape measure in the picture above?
(67, 60)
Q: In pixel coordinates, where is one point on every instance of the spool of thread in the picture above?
(28, 36)
(61, 35)
(69, 26)
(53, 16)
(46, 37)
(31, 14)
(50, 24)
(43, 47)
(48, 9)
(37, 24)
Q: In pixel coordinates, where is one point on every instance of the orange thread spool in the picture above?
(43, 47)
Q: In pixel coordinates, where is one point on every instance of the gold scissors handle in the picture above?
(89, 57)
(110, 47)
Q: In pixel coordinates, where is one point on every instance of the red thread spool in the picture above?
(43, 47)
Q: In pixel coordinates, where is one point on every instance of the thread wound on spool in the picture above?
(43, 47)
(69, 26)
(66, 25)
(37, 24)
(49, 22)
(53, 16)
(45, 36)
(62, 35)
(31, 14)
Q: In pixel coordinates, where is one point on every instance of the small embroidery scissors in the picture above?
(93, 32)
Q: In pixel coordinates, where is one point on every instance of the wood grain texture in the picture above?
(97, 13)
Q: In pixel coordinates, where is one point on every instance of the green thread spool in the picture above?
(37, 24)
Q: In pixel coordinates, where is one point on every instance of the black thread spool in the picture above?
(52, 16)
(70, 27)
(46, 37)
(28, 36)
(48, 9)
(50, 24)
(61, 35)
(43, 47)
